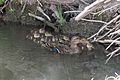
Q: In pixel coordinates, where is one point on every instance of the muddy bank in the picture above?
(21, 16)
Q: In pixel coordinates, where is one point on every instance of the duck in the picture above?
(60, 43)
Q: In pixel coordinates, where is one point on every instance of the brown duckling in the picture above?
(36, 34)
(73, 44)
(60, 43)
(41, 30)
(86, 43)
(79, 43)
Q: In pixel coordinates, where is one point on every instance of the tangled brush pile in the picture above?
(110, 31)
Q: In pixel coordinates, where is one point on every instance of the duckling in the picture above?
(66, 38)
(29, 37)
(75, 40)
(47, 34)
(62, 44)
(36, 34)
(41, 30)
(54, 48)
(86, 43)
(79, 43)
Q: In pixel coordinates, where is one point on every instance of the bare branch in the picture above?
(111, 54)
(71, 11)
(108, 41)
(98, 21)
(41, 10)
(43, 20)
(37, 17)
(108, 23)
(89, 9)
(23, 7)
(112, 43)
(39, 3)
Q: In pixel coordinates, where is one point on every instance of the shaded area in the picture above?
(21, 59)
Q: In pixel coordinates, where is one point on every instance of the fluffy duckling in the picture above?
(36, 34)
(86, 43)
(79, 44)
(41, 30)
(62, 44)
(47, 34)
(75, 40)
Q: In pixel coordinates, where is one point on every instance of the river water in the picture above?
(21, 59)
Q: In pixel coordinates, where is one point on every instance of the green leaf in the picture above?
(12, 10)
(2, 1)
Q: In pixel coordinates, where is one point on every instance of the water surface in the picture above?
(21, 59)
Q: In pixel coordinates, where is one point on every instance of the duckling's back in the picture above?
(58, 43)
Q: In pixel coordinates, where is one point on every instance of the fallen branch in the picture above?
(97, 21)
(24, 7)
(39, 3)
(37, 17)
(108, 41)
(43, 20)
(105, 26)
(71, 12)
(111, 54)
(89, 9)
(112, 43)
(41, 10)
(107, 33)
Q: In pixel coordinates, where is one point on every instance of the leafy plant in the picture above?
(2, 1)
(60, 15)
(12, 10)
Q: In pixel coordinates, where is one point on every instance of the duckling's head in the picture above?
(36, 34)
(47, 34)
(66, 38)
(75, 40)
(78, 41)
(41, 30)
(86, 43)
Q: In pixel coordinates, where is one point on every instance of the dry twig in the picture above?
(41, 10)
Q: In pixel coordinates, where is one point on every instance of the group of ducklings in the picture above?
(59, 43)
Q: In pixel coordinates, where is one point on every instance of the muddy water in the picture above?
(21, 59)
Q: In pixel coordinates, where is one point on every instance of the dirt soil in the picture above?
(84, 28)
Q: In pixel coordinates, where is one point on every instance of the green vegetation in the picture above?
(2, 1)
(12, 10)
(60, 15)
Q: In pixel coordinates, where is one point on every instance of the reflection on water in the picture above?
(21, 59)
(5, 74)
